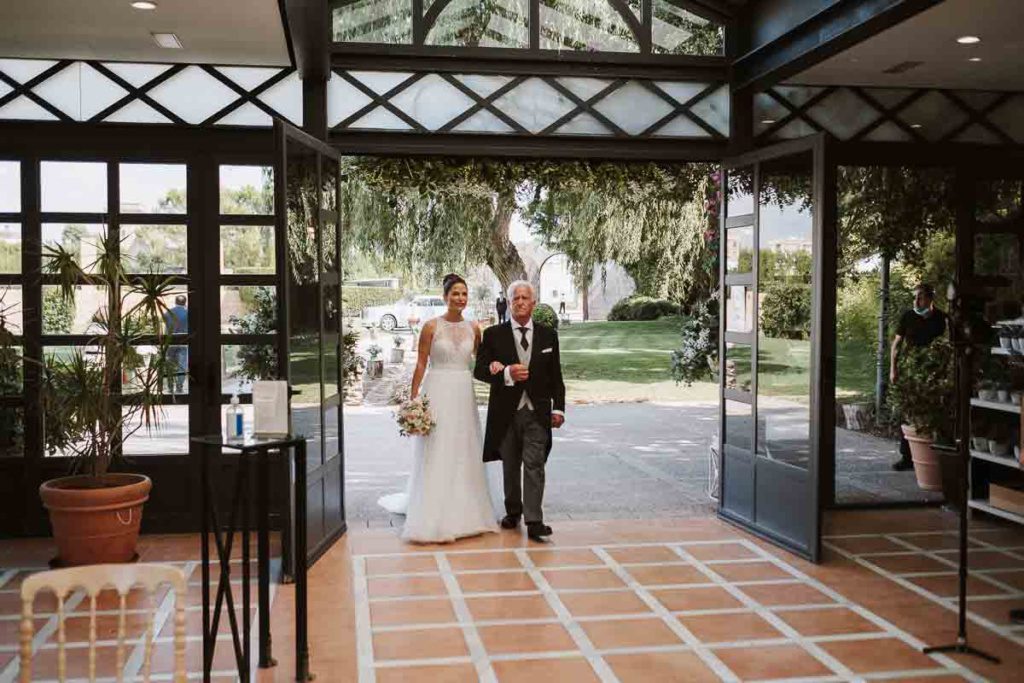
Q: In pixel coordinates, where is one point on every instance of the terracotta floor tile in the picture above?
(827, 622)
(449, 673)
(783, 661)
(223, 658)
(635, 554)
(582, 578)
(484, 560)
(431, 611)
(9, 630)
(564, 558)
(869, 656)
(406, 586)
(661, 666)
(787, 594)
(77, 627)
(929, 679)
(545, 671)
(724, 628)
(510, 607)
(949, 541)
(721, 551)
(750, 571)
(949, 586)
(434, 643)
(1011, 577)
(997, 611)
(526, 638)
(664, 575)
(868, 544)
(606, 635)
(410, 564)
(703, 597)
(986, 559)
(598, 604)
(498, 582)
(905, 564)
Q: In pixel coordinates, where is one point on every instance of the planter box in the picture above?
(396, 356)
(375, 369)
(1007, 497)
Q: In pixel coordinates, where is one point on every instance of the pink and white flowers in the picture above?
(414, 418)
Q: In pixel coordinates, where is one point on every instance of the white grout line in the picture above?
(674, 625)
(576, 632)
(531, 549)
(954, 564)
(364, 637)
(909, 585)
(5, 576)
(477, 652)
(42, 635)
(885, 624)
(777, 622)
(166, 608)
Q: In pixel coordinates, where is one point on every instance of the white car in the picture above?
(405, 314)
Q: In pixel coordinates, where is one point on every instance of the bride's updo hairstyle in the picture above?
(450, 280)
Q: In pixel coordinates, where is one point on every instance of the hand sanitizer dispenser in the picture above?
(234, 421)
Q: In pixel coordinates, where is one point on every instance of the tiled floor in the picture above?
(655, 600)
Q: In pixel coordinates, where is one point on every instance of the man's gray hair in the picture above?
(521, 283)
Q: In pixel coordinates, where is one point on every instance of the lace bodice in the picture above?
(452, 348)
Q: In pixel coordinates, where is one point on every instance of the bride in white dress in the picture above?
(447, 496)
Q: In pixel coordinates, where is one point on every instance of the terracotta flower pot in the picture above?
(926, 460)
(96, 520)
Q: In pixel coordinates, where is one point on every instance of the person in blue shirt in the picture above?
(176, 322)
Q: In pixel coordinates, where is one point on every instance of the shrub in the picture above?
(699, 345)
(545, 315)
(924, 394)
(786, 310)
(58, 312)
(859, 304)
(638, 307)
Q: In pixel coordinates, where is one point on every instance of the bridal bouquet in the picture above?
(414, 418)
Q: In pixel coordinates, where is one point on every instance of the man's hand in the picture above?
(496, 367)
(557, 420)
(519, 372)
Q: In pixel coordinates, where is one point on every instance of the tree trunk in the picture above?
(881, 371)
(502, 256)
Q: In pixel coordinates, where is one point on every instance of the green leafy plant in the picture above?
(374, 351)
(97, 396)
(545, 315)
(638, 307)
(257, 361)
(351, 363)
(693, 361)
(786, 310)
(924, 392)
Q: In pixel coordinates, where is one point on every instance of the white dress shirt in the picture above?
(524, 358)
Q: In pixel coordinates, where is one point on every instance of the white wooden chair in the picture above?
(93, 580)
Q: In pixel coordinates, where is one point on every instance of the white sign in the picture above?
(270, 405)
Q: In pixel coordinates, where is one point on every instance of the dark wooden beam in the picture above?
(309, 25)
(837, 26)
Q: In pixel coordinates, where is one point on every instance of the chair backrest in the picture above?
(93, 580)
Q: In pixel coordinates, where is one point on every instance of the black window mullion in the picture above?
(32, 323)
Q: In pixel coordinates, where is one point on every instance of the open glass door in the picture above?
(307, 185)
(775, 363)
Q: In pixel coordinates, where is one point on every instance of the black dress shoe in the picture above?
(510, 521)
(537, 531)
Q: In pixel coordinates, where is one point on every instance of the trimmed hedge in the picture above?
(545, 315)
(638, 307)
(355, 299)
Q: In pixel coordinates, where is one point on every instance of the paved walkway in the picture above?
(612, 461)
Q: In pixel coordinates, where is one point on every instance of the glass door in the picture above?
(775, 367)
(308, 190)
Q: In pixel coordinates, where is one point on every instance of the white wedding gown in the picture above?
(447, 496)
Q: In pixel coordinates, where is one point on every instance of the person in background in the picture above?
(176, 322)
(501, 307)
(920, 326)
(561, 305)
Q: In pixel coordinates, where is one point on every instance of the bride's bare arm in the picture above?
(423, 355)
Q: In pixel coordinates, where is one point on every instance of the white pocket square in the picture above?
(548, 350)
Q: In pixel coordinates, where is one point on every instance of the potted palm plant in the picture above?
(923, 395)
(96, 397)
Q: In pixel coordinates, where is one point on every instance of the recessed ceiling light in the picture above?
(974, 59)
(968, 40)
(167, 40)
(916, 125)
(144, 4)
(767, 122)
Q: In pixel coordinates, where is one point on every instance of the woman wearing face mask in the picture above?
(919, 326)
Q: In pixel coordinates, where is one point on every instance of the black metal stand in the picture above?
(960, 336)
(223, 536)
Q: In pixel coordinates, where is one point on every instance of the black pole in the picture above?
(960, 336)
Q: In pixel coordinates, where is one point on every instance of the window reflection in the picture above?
(740, 201)
(739, 309)
(738, 366)
(739, 250)
(738, 425)
(248, 310)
